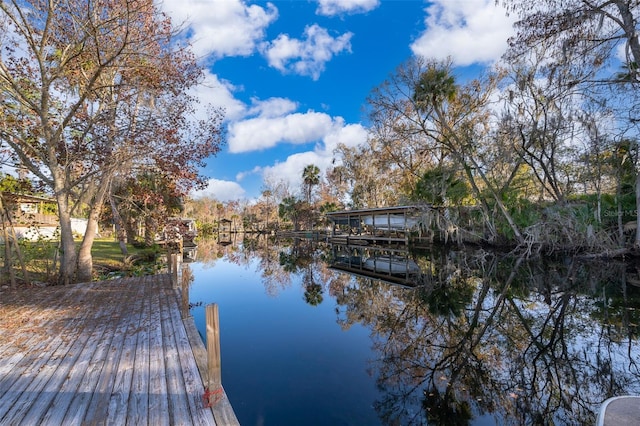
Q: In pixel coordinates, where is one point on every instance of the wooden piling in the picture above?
(213, 347)
(186, 279)
(220, 406)
(174, 269)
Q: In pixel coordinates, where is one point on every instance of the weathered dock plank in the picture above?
(138, 409)
(158, 405)
(78, 374)
(56, 375)
(112, 352)
(123, 370)
(79, 405)
(98, 407)
(178, 407)
(27, 330)
(26, 378)
(187, 364)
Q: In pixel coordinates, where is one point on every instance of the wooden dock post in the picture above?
(174, 269)
(213, 347)
(217, 398)
(186, 280)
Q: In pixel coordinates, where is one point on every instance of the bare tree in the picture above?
(585, 37)
(542, 114)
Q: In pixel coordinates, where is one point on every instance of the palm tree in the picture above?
(310, 178)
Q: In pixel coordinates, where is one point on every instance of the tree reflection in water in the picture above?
(526, 342)
(481, 334)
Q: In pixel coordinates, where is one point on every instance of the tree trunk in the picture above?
(118, 223)
(8, 263)
(493, 233)
(150, 228)
(130, 230)
(628, 24)
(629, 27)
(619, 211)
(85, 259)
(16, 245)
(68, 263)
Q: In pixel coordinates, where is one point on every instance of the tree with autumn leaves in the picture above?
(92, 93)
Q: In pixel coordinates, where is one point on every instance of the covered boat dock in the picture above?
(387, 225)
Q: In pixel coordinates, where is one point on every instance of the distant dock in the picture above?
(109, 352)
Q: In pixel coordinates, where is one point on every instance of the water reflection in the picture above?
(471, 336)
(393, 265)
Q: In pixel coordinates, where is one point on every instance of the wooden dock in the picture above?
(109, 352)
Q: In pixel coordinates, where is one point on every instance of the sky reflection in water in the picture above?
(284, 361)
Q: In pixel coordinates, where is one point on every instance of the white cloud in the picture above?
(242, 175)
(307, 56)
(267, 129)
(350, 135)
(291, 169)
(221, 190)
(266, 132)
(224, 27)
(218, 93)
(337, 7)
(272, 107)
(467, 31)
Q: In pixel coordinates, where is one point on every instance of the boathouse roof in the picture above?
(377, 210)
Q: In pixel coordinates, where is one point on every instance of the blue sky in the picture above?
(293, 75)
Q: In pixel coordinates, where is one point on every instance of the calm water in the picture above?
(483, 339)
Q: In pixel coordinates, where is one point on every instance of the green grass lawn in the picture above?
(107, 252)
(108, 260)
